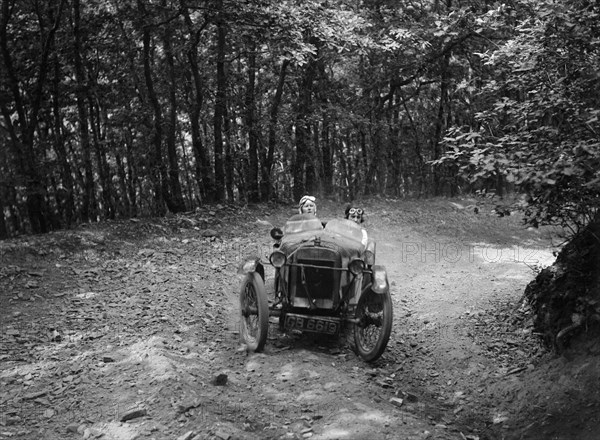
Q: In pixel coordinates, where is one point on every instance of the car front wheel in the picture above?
(254, 308)
(374, 326)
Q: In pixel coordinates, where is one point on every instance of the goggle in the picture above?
(305, 199)
(356, 211)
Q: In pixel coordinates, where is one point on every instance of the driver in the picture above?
(307, 205)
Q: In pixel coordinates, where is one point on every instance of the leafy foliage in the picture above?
(108, 108)
(539, 126)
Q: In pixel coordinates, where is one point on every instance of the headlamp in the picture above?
(277, 259)
(356, 266)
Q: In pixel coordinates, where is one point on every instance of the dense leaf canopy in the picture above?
(126, 108)
(540, 127)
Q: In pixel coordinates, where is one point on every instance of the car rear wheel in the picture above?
(254, 308)
(374, 326)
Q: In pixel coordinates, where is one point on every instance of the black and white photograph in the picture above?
(299, 219)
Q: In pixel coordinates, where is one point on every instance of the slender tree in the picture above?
(267, 161)
(204, 170)
(90, 204)
(175, 200)
(157, 168)
(220, 104)
(253, 138)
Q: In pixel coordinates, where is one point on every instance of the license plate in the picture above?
(305, 323)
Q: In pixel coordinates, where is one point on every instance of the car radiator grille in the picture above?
(315, 281)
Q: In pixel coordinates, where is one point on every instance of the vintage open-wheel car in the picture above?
(326, 281)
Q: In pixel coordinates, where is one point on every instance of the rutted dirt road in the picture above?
(129, 330)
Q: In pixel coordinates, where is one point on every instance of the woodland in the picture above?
(115, 109)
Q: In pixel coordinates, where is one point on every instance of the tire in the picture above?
(254, 312)
(372, 332)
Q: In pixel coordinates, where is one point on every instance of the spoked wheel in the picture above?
(254, 309)
(372, 332)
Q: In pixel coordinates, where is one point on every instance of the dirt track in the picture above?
(129, 330)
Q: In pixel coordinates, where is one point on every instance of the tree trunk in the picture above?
(133, 177)
(14, 208)
(220, 109)
(373, 176)
(204, 173)
(103, 168)
(124, 208)
(66, 202)
(229, 155)
(346, 165)
(188, 194)
(361, 163)
(3, 228)
(326, 156)
(176, 202)
(89, 208)
(4, 189)
(395, 145)
(252, 180)
(78, 177)
(267, 165)
(302, 167)
(321, 131)
(441, 121)
(299, 163)
(156, 163)
(420, 163)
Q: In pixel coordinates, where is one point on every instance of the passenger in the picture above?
(307, 205)
(355, 214)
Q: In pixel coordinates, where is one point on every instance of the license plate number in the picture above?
(312, 324)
